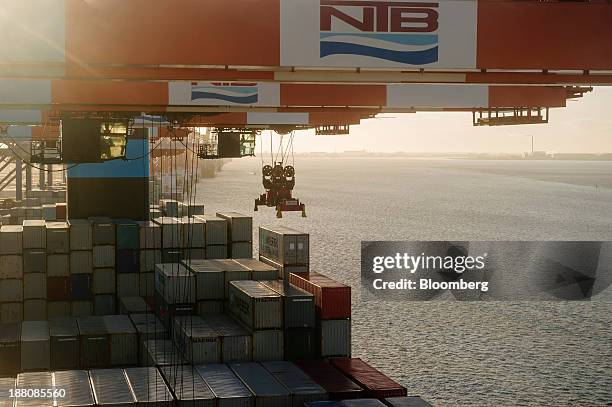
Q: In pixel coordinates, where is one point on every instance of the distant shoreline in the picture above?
(539, 156)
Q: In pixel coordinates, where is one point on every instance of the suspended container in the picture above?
(35, 346)
(267, 390)
(255, 305)
(111, 387)
(298, 305)
(77, 388)
(302, 388)
(188, 387)
(95, 342)
(148, 387)
(123, 340)
(65, 343)
(227, 388)
(236, 341)
(284, 245)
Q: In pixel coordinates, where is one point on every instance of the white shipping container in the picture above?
(123, 340)
(199, 342)
(11, 312)
(34, 234)
(35, 346)
(172, 236)
(77, 388)
(58, 265)
(34, 286)
(169, 207)
(111, 387)
(284, 245)
(104, 281)
(81, 234)
(81, 262)
(11, 266)
(216, 229)
(11, 239)
(35, 380)
(148, 260)
(209, 277)
(128, 284)
(148, 387)
(239, 226)
(150, 235)
(104, 256)
(11, 290)
(194, 232)
(58, 237)
(34, 310)
(175, 283)
(256, 305)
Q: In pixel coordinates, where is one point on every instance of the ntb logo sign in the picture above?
(401, 32)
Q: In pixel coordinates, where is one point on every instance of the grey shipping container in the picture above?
(335, 337)
(259, 270)
(58, 237)
(34, 286)
(298, 305)
(148, 387)
(104, 256)
(105, 304)
(111, 387)
(123, 340)
(65, 343)
(150, 234)
(78, 391)
(128, 284)
(236, 341)
(171, 232)
(95, 344)
(11, 266)
(194, 232)
(413, 401)
(148, 327)
(227, 388)
(58, 265)
(103, 231)
(10, 349)
(240, 250)
(188, 387)
(34, 234)
(11, 290)
(80, 234)
(6, 385)
(268, 345)
(11, 239)
(216, 229)
(255, 305)
(34, 261)
(160, 352)
(35, 380)
(34, 310)
(198, 341)
(133, 305)
(239, 226)
(267, 390)
(362, 403)
(284, 245)
(81, 262)
(209, 279)
(302, 388)
(35, 346)
(104, 281)
(217, 251)
(175, 283)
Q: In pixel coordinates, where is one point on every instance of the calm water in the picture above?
(455, 354)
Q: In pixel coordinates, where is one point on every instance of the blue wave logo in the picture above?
(412, 49)
(242, 94)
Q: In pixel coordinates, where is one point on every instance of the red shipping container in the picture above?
(375, 383)
(332, 299)
(58, 288)
(335, 383)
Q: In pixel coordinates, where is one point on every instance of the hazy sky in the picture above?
(584, 126)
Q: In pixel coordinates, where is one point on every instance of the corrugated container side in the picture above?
(147, 284)
(65, 343)
(11, 266)
(80, 234)
(58, 289)
(35, 346)
(103, 231)
(218, 251)
(335, 335)
(160, 352)
(240, 250)
(375, 383)
(128, 261)
(6, 385)
(57, 309)
(239, 226)
(209, 279)
(128, 284)
(337, 385)
(284, 245)
(188, 387)
(199, 342)
(194, 232)
(171, 232)
(284, 271)
(81, 262)
(333, 299)
(81, 308)
(11, 290)
(105, 304)
(11, 312)
(210, 307)
(34, 234)
(411, 401)
(216, 230)
(34, 261)
(104, 256)
(268, 345)
(81, 287)
(111, 387)
(34, 286)
(301, 344)
(58, 237)
(11, 239)
(148, 260)
(10, 348)
(302, 388)
(58, 265)
(77, 386)
(255, 305)
(133, 305)
(34, 310)
(148, 327)
(148, 386)
(267, 390)
(298, 305)
(150, 235)
(123, 340)
(95, 344)
(236, 341)
(104, 281)
(35, 380)
(226, 386)
(127, 235)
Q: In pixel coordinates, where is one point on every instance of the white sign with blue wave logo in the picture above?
(224, 94)
(379, 34)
